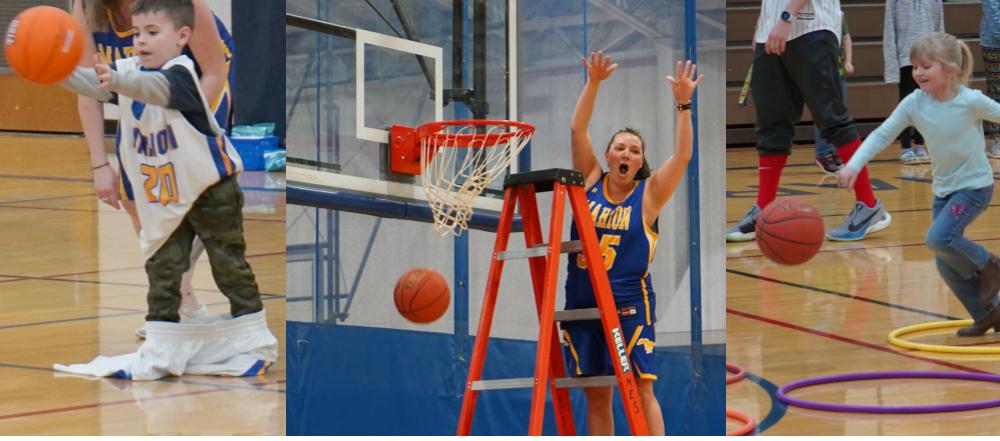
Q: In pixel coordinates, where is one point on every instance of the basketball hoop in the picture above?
(457, 160)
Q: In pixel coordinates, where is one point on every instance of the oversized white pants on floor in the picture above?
(208, 346)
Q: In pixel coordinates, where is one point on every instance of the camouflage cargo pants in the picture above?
(217, 219)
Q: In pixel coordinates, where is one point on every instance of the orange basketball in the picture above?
(43, 44)
(422, 295)
(789, 231)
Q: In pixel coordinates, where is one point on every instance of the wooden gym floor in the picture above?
(72, 286)
(832, 314)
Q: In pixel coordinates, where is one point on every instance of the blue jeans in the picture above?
(959, 259)
(824, 148)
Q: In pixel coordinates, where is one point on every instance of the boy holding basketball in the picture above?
(172, 144)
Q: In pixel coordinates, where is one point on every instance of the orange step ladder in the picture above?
(543, 260)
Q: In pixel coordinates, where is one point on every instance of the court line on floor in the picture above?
(855, 342)
(102, 404)
(778, 408)
(109, 283)
(113, 308)
(257, 387)
(264, 297)
(862, 248)
(844, 295)
(838, 214)
(802, 164)
(131, 268)
(45, 178)
(108, 403)
(51, 198)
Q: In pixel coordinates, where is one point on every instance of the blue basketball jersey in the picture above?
(627, 246)
(113, 45)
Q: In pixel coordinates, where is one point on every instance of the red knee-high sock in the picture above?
(863, 186)
(768, 174)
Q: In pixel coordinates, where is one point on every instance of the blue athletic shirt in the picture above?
(627, 246)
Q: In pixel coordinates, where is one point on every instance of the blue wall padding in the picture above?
(348, 380)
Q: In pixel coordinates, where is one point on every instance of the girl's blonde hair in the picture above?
(948, 50)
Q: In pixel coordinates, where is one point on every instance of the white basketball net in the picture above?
(456, 176)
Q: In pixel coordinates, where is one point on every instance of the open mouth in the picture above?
(623, 169)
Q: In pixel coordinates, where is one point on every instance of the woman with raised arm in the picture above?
(625, 202)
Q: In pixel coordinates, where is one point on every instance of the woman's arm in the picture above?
(599, 68)
(92, 120)
(207, 47)
(663, 181)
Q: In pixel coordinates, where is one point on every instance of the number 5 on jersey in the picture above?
(161, 183)
(609, 253)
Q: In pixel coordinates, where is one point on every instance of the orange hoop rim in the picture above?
(431, 132)
(748, 423)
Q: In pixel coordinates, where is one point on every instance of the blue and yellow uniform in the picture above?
(627, 245)
(114, 45)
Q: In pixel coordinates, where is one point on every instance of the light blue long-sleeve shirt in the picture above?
(953, 132)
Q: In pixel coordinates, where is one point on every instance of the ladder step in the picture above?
(507, 383)
(518, 383)
(607, 380)
(570, 246)
(572, 315)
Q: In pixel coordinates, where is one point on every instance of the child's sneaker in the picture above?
(993, 148)
(186, 312)
(860, 222)
(745, 229)
(829, 164)
(190, 312)
(915, 155)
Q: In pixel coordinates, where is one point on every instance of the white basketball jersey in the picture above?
(167, 160)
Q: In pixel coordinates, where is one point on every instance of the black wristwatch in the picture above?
(682, 107)
(786, 16)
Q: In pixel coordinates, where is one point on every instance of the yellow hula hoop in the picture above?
(895, 340)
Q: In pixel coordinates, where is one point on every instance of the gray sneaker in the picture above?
(915, 155)
(860, 222)
(744, 230)
(993, 148)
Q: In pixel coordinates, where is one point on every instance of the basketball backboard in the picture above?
(356, 68)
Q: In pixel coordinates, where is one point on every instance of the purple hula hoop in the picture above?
(783, 392)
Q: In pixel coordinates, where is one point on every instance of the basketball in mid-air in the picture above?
(43, 44)
(789, 231)
(422, 295)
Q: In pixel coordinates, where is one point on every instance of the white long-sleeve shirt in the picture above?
(953, 130)
(906, 21)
